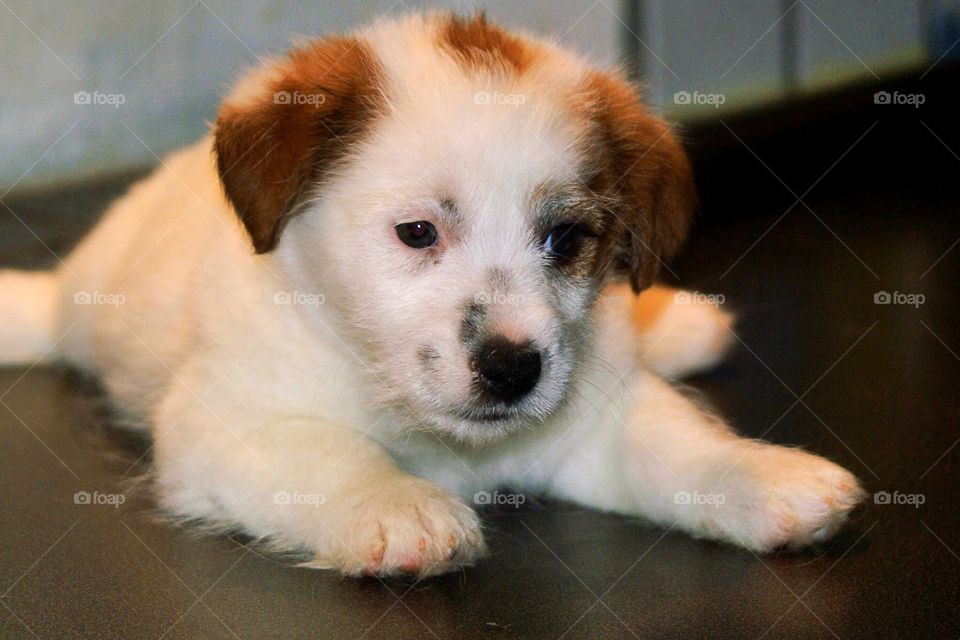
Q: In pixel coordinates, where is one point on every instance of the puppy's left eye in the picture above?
(565, 241)
(418, 235)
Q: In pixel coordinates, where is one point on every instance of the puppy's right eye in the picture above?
(418, 235)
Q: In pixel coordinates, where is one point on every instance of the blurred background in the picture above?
(94, 87)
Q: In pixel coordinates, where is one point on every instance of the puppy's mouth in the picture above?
(489, 415)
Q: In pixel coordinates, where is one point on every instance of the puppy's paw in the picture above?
(412, 527)
(780, 497)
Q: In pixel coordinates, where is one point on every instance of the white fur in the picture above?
(28, 303)
(687, 338)
(249, 400)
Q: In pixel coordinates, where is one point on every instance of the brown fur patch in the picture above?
(643, 174)
(647, 309)
(317, 106)
(480, 45)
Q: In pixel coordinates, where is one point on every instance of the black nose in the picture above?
(507, 370)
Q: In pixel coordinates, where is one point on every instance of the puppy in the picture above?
(387, 283)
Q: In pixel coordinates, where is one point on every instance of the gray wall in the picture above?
(168, 61)
(739, 50)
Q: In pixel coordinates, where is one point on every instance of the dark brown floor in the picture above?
(820, 365)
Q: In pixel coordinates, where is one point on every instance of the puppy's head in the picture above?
(460, 195)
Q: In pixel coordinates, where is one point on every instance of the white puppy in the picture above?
(405, 298)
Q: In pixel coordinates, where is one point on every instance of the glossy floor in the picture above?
(819, 364)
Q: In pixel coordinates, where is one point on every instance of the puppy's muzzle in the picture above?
(507, 370)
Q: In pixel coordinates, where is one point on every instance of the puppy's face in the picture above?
(460, 196)
(465, 287)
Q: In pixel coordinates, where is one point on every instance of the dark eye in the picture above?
(419, 235)
(565, 241)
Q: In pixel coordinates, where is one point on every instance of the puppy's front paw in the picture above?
(779, 497)
(409, 527)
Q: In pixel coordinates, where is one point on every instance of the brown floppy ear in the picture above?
(644, 173)
(287, 124)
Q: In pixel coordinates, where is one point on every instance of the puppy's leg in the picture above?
(673, 463)
(678, 333)
(303, 484)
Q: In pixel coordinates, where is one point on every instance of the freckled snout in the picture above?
(507, 370)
